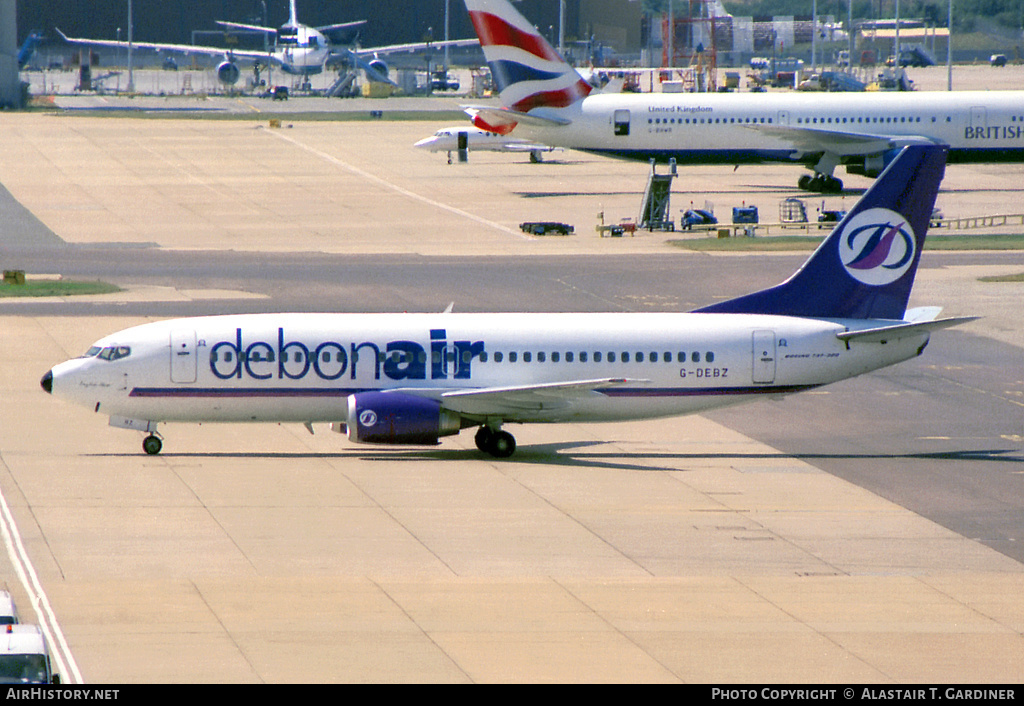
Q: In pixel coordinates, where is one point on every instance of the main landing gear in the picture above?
(495, 442)
(820, 183)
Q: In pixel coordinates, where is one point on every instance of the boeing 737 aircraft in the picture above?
(413, 378)
(550, 103)
(464, 139)
(299, 49)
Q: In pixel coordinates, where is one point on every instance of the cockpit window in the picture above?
(92, 352)
(115, 352)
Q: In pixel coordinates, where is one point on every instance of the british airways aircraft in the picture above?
(552, 104)
(414, 378)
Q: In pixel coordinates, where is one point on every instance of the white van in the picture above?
(8, 613)
(24, 658)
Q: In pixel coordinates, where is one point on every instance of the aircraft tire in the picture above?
(152, 445)
(831, 185)
(483, 438)
(804, 182)
(502, 445)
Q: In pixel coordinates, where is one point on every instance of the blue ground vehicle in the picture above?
(697, 217)
(744, 214)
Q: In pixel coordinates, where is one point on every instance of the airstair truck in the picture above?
(24, 658)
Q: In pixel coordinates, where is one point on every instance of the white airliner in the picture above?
(299, 49)
(464, 139)
(413, 378)
(550, 103)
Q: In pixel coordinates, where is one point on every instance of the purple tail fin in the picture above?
(865, 268)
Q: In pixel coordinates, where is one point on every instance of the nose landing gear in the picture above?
(152, 444)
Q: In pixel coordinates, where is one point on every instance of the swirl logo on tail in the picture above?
(877, 246)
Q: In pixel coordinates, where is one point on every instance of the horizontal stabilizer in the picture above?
(250, 28)
(340, 26)
(922, 313)
(887, 333)
(504, 116)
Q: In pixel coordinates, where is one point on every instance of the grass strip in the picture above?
(56, 288)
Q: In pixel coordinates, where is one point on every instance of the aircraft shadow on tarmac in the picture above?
(578, 454)
(981, 190)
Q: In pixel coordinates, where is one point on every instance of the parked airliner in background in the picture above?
(546, 100)
(413, 378)
(464, 139)
(298, 49)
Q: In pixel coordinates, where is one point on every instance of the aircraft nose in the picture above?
(47, 381)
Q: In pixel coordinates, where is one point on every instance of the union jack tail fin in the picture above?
(865, 268)
(529, 73)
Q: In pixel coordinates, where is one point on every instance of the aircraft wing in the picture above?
(527, 147)
(526, 398)
(356, 55)
(844, 144)
(519, 399)
(182, 48)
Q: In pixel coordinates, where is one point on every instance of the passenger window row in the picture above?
(707, 121)
(598, 357)
(862, 120)
(401, 357)
(811, 120)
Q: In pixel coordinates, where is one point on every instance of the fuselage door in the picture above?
(183, 356)
(764, 356)
(783, 117)
(445, 362)
(620, 122)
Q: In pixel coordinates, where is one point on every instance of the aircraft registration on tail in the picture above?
(544, 99)
(414, 378)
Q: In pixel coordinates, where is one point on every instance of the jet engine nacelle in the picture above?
(874, 164)
(228, 73)
(379, 66)
(397, 418)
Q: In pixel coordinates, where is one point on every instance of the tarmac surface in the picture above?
(869, 533)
